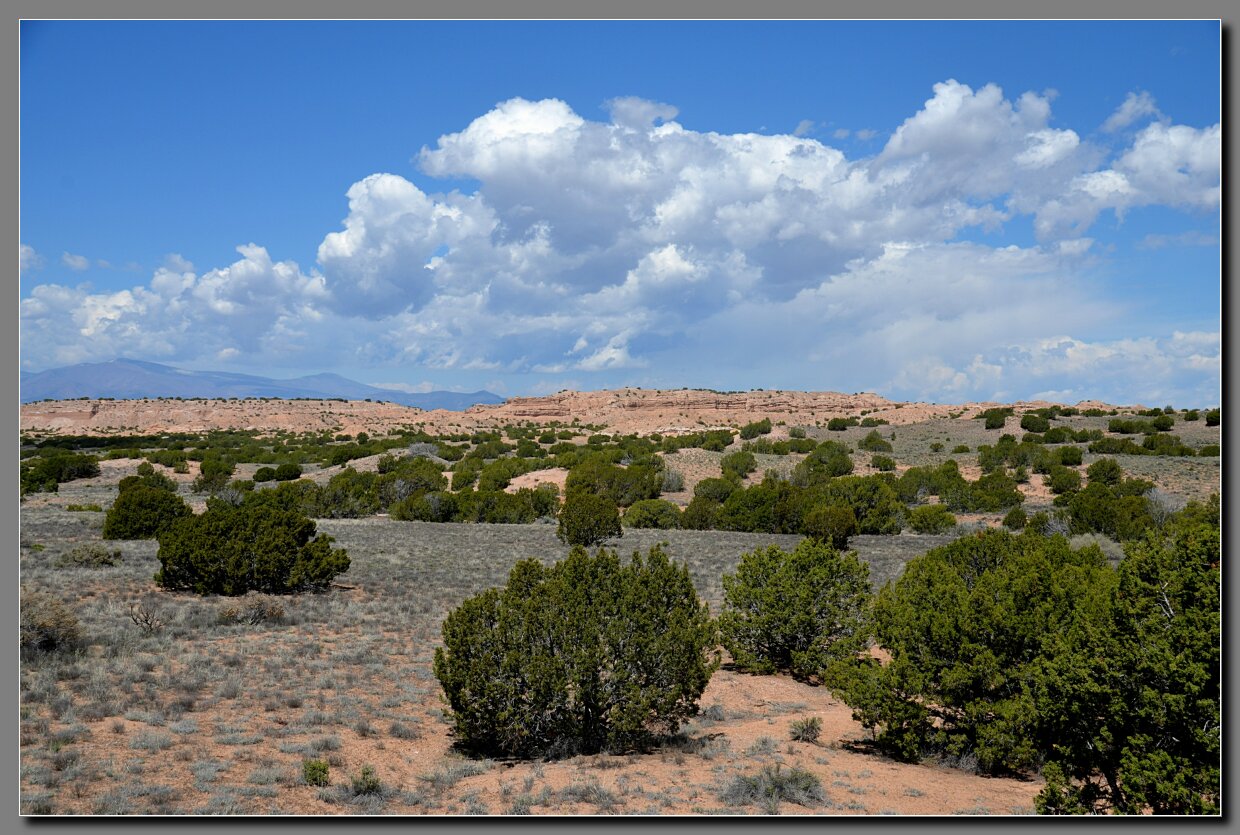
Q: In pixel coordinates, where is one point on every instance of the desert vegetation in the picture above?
(951, 600)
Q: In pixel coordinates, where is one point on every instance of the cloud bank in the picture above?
(636, 250)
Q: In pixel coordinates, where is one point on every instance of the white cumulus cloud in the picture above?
(253, 306)
(635, 245)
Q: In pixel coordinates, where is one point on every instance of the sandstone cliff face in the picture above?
(645, 410)
(621, 410)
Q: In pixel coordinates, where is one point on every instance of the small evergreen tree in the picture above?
(1142, 731)
(752, 430)
(874, 442)
(931, 518)
(256, 546)
(873, 501)
(832, 524)
(653, 513)
(588, 655)
(1070, 456)
(143, 512)
(714, 489)
(829, 460)
(1105, 471)
(1015, 519)
(799, 611)
(587, 519)
(737, 465)
(1034, 423)
(1063, 480)
(287, 472)
(970, 627)
(213, 475)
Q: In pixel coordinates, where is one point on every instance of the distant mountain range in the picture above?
(133, 379)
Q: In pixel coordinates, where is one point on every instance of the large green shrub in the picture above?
(702, 514)
(1071, 456)
(213, 475)
(1117, 446)
(1063, 480)
(143, 512)
(832, 524)
(931, 518)
(588, 655)
(1015, 519)
(147, 477)
(995, 418)
(653, 513)
(1034, 423)
(1141, 730)
(750, 509)
(287, 472)
(622, 485)
(798, 611)
(752, 430)
(873, 501)
(44, 473)
(829, 460)
(714, 489)
(437, 506)
(874, 442)
(991, 493)
(737, 465)
(969, 627)
(256, 546)
(1121, 511)
(883, 463)
(587, 519)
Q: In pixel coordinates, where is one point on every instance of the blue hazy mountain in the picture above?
(129, 379)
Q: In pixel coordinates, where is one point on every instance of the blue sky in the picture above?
(943, 211)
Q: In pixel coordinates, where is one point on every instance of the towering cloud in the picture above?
(635, 246)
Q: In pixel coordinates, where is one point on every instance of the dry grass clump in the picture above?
(253, 609)
(89, 555)
(773, 785)
(47, 624)
(806, 730)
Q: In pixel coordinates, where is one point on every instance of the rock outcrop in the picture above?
(621, 410)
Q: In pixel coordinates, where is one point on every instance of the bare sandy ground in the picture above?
(557, 476)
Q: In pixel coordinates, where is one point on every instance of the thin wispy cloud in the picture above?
(1190, 238)
(1136, 106)
(77, 263)
(27, 259)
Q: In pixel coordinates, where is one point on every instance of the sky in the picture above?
(941, 211)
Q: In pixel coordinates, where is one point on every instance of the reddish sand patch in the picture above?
(556, 475)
